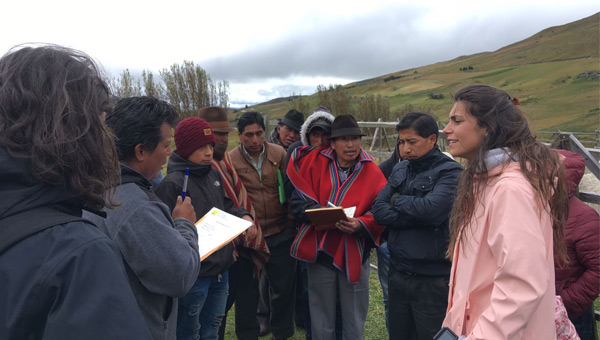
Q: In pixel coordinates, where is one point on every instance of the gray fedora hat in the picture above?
(294, 119)
(345, 125)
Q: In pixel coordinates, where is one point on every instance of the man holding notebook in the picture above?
(337, 256)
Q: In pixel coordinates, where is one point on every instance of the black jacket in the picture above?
(59, 280)
(205, 188)
(415, 206)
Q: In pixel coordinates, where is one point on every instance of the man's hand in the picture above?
(250, 232)
(350, 227)
(184, 209)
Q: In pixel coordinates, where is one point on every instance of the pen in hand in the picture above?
(329, 204)
(185, 182)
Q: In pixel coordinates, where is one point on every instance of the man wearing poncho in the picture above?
(337, 259)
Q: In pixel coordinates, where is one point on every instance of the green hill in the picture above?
(554, 73)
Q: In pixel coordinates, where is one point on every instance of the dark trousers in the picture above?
(301, 311)
(417, 305)
(263, 312)
(281, 275)
(280, 272)
(585, 325)
(241, 291)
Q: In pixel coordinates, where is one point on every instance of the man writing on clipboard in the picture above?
(202, 308)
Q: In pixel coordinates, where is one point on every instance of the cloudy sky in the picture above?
(273, 48)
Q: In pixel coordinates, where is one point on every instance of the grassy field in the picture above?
(555, 74)
(375, 325)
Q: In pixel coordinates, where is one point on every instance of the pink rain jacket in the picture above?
(502, 278)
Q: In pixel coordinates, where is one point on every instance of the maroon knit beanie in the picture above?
(191, 134)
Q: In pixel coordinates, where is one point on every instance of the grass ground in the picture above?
(375, 324)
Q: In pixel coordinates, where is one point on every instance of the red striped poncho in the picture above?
(314, 174)
(235, 190)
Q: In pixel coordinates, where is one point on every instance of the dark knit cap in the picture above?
(191, 134)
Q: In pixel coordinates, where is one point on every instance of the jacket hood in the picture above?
(21, 191)
(320, 113)
(178, 163)
(396, 155)
(575, 168)
(274, 137)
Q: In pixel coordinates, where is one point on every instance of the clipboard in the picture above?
(326, 218)
(217, 229)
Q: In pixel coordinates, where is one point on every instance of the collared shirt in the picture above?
(257, 166)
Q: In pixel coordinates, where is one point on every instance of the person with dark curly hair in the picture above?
(61, 277)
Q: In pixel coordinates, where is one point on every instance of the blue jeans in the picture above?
(202, 308)
(383, 268)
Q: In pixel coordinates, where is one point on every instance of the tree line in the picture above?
(186, 86)
(189, 87)
(366, 108)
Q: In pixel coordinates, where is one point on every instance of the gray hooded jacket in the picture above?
(160, 254)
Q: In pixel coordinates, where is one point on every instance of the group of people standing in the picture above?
(91, 249)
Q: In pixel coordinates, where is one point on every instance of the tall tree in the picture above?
(297, 102)
(335, 99)
(212, 93)
(371, 107)
(187, 87)
(126, 85)
(152, 88)
(223, 89)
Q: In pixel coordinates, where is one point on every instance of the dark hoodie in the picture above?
(579, 282)
(58, 271)
(205, 188)
(387, 166)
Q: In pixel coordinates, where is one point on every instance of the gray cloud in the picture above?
(386, 41)
(284, 90)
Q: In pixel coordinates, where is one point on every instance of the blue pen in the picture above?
(185, 181)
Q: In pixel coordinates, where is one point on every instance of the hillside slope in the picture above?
(555, 74)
